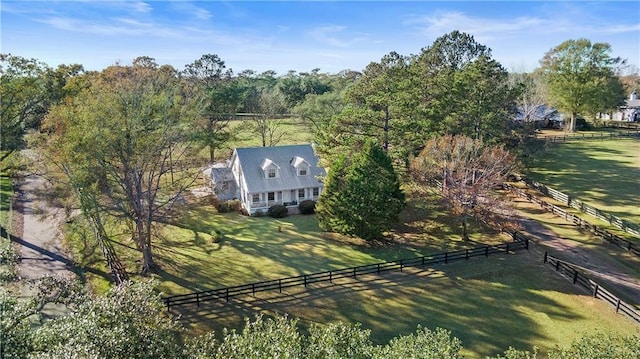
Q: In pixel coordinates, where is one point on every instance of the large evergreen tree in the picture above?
(362, 196)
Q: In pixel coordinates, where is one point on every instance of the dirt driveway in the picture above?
(38, 237)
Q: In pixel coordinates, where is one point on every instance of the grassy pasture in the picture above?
(489, 303)
(200, 249)
(605, 174)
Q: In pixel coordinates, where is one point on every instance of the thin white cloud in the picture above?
(330, 35)
(486, 28)
(192, 10)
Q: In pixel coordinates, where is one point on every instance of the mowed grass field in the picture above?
(605, 174)
(489, 303)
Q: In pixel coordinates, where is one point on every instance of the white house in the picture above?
(630, 111)
(261, 177)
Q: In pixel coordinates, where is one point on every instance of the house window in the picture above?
(271, 196)
(301, 193)
(271, 173)
(316, 191)
(256, 198)
(303, 171)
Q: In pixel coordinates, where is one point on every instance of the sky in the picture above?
(304, 35)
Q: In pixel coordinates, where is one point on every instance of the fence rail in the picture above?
(583, 207)
(631, 247)
(226, 293)
(630, 133)
(573, 273)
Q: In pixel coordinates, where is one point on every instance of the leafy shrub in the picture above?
(278, 211)
(258, 213)
(307, 206)
(228, 206)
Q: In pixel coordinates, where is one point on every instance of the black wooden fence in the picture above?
(631, 247)
(583, 207)
(573, 273)
(226, 293)
(635, 133)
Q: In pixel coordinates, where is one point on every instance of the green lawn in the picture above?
(489, 303)
(6, 192)
(604, 174)
(253, 249)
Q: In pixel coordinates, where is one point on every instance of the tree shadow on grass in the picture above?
(490, 304)
(580, 170)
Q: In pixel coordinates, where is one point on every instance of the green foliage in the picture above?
(338, 340)
(307, 206)
(362, 195)
(278, 211)
(117, 140)
(128, 322)
(464, 90)
(512, 353)
(424, 344)
(581, 79)
(600, 346)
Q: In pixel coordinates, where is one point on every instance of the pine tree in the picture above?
(362, 195)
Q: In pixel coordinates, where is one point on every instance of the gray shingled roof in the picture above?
(251, 159)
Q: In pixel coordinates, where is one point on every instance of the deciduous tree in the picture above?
(122, 135)
(581, 79)
(468, 173)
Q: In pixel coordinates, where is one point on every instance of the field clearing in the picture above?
(489, 303)
(201, 249)
(604, 174)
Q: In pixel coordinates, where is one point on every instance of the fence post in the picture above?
(545, 257)
(618, 305)
(466, 254)
(446, 257)
(486, 251)
(595, 291)
(227, 294)
(253, 289)
(330, 277)
(526, 243)
(507, 247)
(354, 272)
(197, 299)
(514, 235)
(575, 276)
(168, 300)
(401, 265)
(305, 280)
(378, 268)
(280, 285)
(557, 264)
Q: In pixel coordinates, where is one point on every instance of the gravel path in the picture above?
(38, 238)
(600, 265)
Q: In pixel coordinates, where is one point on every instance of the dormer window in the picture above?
(269, 168)
(301, 166)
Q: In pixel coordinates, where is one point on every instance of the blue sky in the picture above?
(300, 36)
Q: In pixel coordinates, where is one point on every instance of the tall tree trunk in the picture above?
(572, 123)
(465, 233)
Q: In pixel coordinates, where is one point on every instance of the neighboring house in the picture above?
(541, 115)
(261, 177)
(630, 111)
